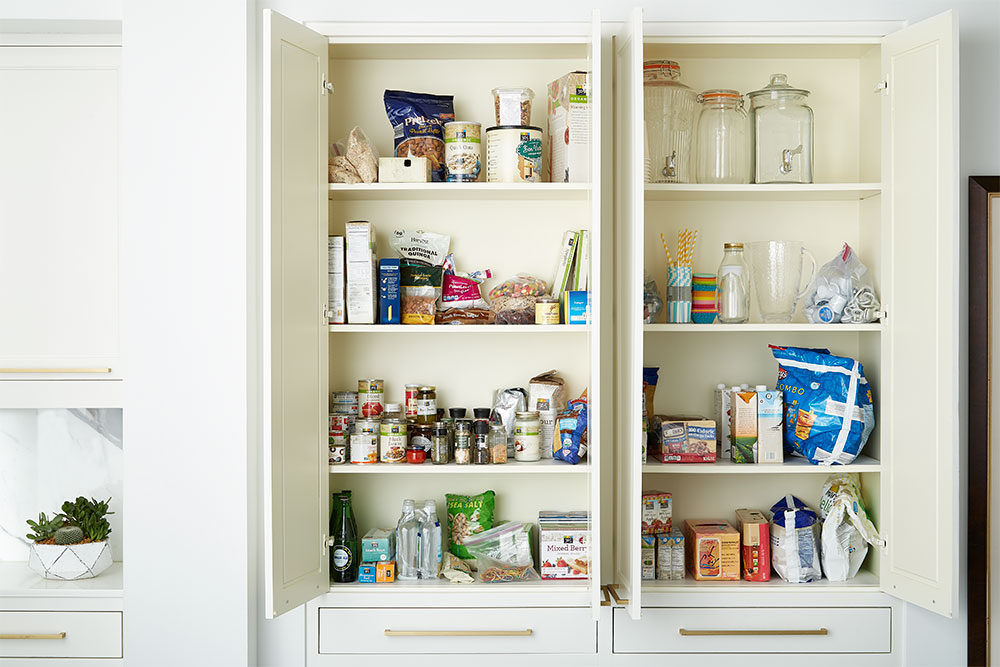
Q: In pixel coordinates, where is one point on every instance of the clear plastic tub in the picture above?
(513, 105)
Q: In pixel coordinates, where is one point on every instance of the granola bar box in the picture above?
(564, 553)
(687, 440)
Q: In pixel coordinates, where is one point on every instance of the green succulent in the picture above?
(69, 535)
(45, 527)
(88, 515)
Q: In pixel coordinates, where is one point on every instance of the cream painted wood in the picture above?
(88, 634)
(629, 230)
(295, 338)
(59, 234)
(728, 630)
(920, 358)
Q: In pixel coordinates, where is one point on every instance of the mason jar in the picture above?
(723, 154)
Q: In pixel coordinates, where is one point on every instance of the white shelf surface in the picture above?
(545, 466)
(792, 465)
(761, 192)
(761, 327)
(446, 191)
(864, 580)
(441, 584)
(16, 580)
(442, 593)
(449, 329)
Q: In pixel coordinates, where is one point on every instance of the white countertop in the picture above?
(16, 580)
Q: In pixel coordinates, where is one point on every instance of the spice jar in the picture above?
(415, 454)
(463, 441)
(723, 154)
(527, 436)
(481, 442)
(440, 443)
(456, 413)
(546, 310)
(782, 133)
(427, 405)
(498, 443)
(669, 109)
(732, 294)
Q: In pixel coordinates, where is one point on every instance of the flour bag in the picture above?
(828, 404)
(847, 530)
(795, 541)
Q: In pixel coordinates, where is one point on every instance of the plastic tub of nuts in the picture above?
(513, 105)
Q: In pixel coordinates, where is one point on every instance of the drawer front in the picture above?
(60, 634)
(474, 631)
(755, 630)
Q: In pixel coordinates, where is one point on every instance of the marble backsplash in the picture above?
(51, 455)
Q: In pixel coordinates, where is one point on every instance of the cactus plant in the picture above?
(45, 528)
(69, 535)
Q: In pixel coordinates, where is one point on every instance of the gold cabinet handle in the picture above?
(606, 602)
(457, 633)
(751, 633)
(55, 370)
(614, 594)
(57, 635)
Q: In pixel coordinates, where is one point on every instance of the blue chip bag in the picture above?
(570, 441)
(828, 405)
(417, 121)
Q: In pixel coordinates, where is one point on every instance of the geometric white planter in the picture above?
(70, 561)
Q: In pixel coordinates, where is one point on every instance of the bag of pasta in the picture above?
(503, 554)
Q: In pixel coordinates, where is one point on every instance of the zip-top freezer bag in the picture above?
(828, 404)
(847, 530)
(795, 541)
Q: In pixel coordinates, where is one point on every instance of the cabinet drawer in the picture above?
(755, 630)
(406, 631)
(88, 634)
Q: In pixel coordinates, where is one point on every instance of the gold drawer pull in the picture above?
(57, 635)
(606, 602)
(614, 593)
(55, 370)
(457, 633)
(751, 633)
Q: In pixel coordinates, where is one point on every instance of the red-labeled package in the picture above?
(756, 548)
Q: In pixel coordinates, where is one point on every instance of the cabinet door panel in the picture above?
(628, 322)
(295, 341)
(59, 211)
(921, 294)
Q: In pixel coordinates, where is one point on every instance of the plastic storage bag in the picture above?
(847, 530)
(503, 554)
(514, 299)
(844, 292)
(652, 304)
(795, 541)
(828, 404)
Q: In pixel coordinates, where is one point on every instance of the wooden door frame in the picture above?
(981, 191)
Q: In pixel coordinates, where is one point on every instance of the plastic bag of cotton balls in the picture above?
(843, 292)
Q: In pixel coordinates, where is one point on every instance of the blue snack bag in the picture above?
(828, 405)
(417, 121)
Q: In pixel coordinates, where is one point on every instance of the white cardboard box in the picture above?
(336, 280)
(569, 129)
(361, 293)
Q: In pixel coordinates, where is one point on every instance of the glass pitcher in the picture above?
(669, 107)
(782, 133)
(723, 148)
(777, 276)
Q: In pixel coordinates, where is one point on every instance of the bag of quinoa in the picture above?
(467, 516)
(417, 121)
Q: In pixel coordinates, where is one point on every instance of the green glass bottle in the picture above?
(346, 552)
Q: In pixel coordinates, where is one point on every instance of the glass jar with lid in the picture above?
(782, 133)
(498, 443)
(669, 109)
(440, 443)
(463, 441)
(732, 293)
(427, 405)
(723, 153)
(527, 436)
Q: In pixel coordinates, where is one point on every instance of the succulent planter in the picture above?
(68, 562)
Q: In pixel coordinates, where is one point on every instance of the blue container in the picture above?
(388, 291)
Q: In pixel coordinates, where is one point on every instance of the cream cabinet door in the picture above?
(920, 359)
(59, 212)
(294, 326)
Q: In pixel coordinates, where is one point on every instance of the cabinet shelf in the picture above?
(448, 329)
(795, 466)
(761, 327)
(459, 191)
(546, 466)
(575, 586)
(761, 192)
(16, 580)
(863, 580)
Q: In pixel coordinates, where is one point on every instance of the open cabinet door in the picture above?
(294, 331)
(920, 358)
(628, 322)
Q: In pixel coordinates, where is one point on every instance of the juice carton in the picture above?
(770, 424)
(743, 423)
(378, 545)
(756, 545)
(713, 550)
(657, 512)
(687, 440)
(670, 555)
(385, 572)
(648, 557)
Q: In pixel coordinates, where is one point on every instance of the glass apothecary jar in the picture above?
(782, 133)
(723, 148)
(669, 109)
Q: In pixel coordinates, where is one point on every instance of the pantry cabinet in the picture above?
(885, 104)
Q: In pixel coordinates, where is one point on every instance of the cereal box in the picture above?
(569, 129)
(648, 557)
(756, 545)
(564, 553)
(670, 555)
(687, 440)
(770, 425)
(713, 550)
(743, 423)
(657, 512)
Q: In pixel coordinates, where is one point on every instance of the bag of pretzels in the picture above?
(418, 126)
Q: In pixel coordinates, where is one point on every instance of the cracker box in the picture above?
(336, 279)
(743, 423)
(770, 425)
(687, 440)
(388, 291)
(569, 129)
(361, 290)
(657, 512)
(377, 545)
(366, 573)
(756, 545)
(648, 557)
(385, 572)
(713, 550)
(670, 556)
(564, 553)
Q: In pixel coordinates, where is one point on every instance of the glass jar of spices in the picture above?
(498, 443)
(463, 441)
(481, 441)
(527, 436)
(440, 443)
(427, 405)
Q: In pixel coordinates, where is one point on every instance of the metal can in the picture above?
(440, 443)
(392, 441)
(371, 398)
(514, 154)
(462, 150)
(546, 310)
(342, 423)
(344, 402)
(364, 441)
(338, 449)
(421, 436)
(410, 406)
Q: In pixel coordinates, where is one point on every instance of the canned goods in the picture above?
(514, 154)
(546, 310)
(462, 150)
(342, 423)
(344, 402)
(392, 441)
(338, 448)
(410, 406)
(371, 398)
(364, 441)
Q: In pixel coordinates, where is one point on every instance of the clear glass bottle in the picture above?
(669, 109)
(498, 443)
(723, 149)
(527, 436)
(732, 294)
(392, 411)
(782, 133)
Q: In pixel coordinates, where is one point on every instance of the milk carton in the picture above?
(770, 422)
(743, 423)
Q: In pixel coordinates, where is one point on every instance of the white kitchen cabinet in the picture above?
(59, 231)
(885, 103)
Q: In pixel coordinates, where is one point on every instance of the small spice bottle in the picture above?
(527, 436)
(392, 411)
(463, 441)
(481, 450)
(546, 310)
(427, 405)
(440, 443)
(456, 413)
(498, 443)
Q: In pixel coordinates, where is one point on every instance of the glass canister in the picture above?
(732, 292)
(527, 436)
(723, 149)
(669, 109)
(782, 133)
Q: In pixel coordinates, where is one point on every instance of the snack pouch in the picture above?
(417, 121)
(828, 405)
(570, 442)
(847, 530)
(419, 286)
(467, 516)
(462, 290)
(794, 542)
(423, 247)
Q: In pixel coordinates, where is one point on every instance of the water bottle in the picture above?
(408, 543)
(430, 542)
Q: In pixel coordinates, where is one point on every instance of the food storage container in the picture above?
(527, 436)
(513, 105)
(782, 133)
(723, 148)
(514, 154)
(669, 109)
